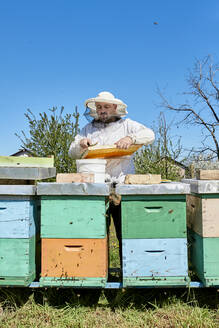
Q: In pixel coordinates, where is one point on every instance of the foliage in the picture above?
(200, 107)
(161, 156)
(52, 135)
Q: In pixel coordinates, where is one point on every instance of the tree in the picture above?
(52, 135)
(202, 109)
(161, 156)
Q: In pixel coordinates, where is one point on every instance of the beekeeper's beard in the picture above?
(105, 117)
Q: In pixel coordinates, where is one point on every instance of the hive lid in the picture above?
(77, 188)
(26, 168)
(172, 188)
(27, 173)
(21, 190)
(108, 151)
(203, 186)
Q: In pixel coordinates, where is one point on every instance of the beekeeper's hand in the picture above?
(124, 143)
(85, 143)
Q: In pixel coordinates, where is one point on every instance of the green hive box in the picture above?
(17, 261)
(73, 217)
(204, 258)
(158, 216)
(203, 230)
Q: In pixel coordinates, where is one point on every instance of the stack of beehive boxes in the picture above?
(18, 216)
(154, 234)
(203, 225)
(73, 232)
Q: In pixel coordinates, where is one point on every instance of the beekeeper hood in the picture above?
(105, 97)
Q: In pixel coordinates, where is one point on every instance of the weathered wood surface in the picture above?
(74, 177)
(17, 217)
(204, 257)
(27, 173)
(85, 189)
(18, 161)
(68, 258)
(17, 260)
(208, 174)
(153, 217)
(73, 217)
(203, 186)
(172, 188)
(179, 281)
(155, 257)
(72, 282)
(142, 179)
(203, 215)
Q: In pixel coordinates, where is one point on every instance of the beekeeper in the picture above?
(107, 127)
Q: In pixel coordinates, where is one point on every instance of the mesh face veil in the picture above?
(107, 98)
(87, 115)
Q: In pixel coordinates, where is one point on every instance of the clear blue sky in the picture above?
(55, 53)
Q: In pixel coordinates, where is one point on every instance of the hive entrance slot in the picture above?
(153, 209)
(158, 251)
(73, 248)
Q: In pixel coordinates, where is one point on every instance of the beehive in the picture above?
(73, 232)
(203, 227)
(154, 234)
(18, 230)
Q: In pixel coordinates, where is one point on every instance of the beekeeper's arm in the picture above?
(81, 142)
(136, 134)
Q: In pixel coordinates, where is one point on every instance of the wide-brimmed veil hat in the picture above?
(106, 97)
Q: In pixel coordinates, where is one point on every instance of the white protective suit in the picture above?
(108, 134)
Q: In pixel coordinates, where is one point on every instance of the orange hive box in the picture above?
(108, 151)
(65, 258)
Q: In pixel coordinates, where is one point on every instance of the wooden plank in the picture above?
(67, 258)
(151, 218)
(17, 281)
(18, 161)
(73, 217)
(203, 215)
(142, 178)
(156, 281)
(17, 217)
(17, 258)
(74, 177)
(108, 151)
(72, 282)
(155, 257)
(208, 174)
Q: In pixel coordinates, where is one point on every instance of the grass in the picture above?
(134, 308)
(69, 308)
(114, 261)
